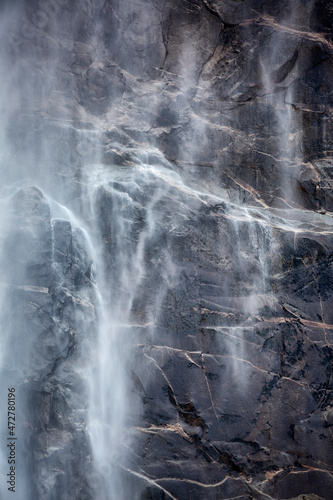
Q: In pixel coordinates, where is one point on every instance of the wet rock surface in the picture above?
(212, 120)
(49, 314)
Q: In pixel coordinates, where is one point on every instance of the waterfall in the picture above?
(282, 57)
(165, 276)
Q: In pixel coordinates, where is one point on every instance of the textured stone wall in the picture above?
(214, 118)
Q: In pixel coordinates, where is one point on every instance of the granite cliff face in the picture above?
(166, 247)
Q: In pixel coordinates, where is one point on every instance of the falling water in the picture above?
(279, 65)
(93, 257)
(45, 260)
(125, 226)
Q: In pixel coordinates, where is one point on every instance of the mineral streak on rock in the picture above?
(184, 148)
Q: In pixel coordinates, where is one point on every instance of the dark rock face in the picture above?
(192, 139)
(48, 315)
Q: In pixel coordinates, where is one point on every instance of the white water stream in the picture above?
(120, 216)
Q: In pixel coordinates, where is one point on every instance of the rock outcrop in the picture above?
(48, 322)
(193, 140)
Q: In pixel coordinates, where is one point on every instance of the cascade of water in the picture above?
(47, 294)
(98, 255)
(127, 204)
(279, 68)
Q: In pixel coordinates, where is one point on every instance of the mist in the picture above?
(165, 243)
